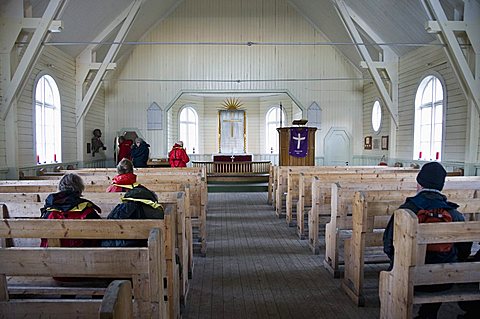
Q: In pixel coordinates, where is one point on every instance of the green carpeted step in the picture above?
(230, 187)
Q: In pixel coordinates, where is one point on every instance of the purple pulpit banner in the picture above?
(298, 142)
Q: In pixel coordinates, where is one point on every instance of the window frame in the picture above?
(276, 148)
(380, 120)
(188, 145)
(56, 157)
(442, 106)
(318, 112)
(151, 126)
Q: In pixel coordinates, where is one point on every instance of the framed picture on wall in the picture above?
(385, 142)
(367, 143)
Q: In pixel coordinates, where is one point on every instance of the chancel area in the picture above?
(274, 142)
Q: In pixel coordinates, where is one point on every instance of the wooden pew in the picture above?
(304, 202)
(117, 301)
(305, 198)
(340, 224)
(321, 200)
(116, 304)
(271, 179)
(156, 179)
(369, 219)
(293, 181)
(320, 213)
(107, 201)
(47, 186)
(396, 288)
(196, 214)
(357, 176)
(280, 180)
(145, 266)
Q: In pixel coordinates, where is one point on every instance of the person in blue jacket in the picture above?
(140, 153)
(430, 181)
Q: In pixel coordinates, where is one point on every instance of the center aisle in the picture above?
(256, 267)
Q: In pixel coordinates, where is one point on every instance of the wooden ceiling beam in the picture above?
(388, 94)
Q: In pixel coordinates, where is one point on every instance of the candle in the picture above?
(38, 159)
(54, 157)
(437, 155)
(420, 155)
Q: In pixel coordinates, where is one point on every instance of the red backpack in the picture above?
(436, 215)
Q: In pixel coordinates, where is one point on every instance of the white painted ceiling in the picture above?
(398, 22)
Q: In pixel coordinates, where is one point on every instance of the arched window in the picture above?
(376, 116)
(272, 121)
(48, 128)
(189, 128)
(429, 105)
(314, 115)
(154, 117)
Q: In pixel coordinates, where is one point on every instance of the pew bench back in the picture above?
(145, 266)
(341, 212)
(369, 219)
(396, 288)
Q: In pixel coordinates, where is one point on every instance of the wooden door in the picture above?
(337, 147)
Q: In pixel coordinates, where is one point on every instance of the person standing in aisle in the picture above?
(178, 156)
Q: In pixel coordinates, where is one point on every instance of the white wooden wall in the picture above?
(412, 69)
(3, 149)
(62, 68)
(234, 21)
(95, 118)
(207, 110)
(370, 95)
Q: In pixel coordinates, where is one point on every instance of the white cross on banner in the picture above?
(298, 142)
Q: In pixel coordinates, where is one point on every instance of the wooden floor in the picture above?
(256, 267)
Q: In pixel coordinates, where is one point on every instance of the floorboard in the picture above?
(256, 267)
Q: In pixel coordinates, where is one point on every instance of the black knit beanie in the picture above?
(432, 175)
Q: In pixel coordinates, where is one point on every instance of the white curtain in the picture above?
(232, 127)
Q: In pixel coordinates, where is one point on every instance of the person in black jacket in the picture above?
(430, 181)
(140, 153)
(138, 203)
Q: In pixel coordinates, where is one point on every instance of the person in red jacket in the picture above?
(124, 149)
(178, 156)
(125, 179)
(68, 204)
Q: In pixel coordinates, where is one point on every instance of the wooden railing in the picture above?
(229, 168)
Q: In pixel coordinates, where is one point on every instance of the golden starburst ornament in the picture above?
(232, 104)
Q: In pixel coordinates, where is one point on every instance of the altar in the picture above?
(232, 158)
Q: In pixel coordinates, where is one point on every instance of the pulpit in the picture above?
(297, 146)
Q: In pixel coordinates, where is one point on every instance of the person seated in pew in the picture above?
(430, 181)
(125, 179)
(138, 203)
(68, 204)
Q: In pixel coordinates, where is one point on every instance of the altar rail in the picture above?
(234, 168)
